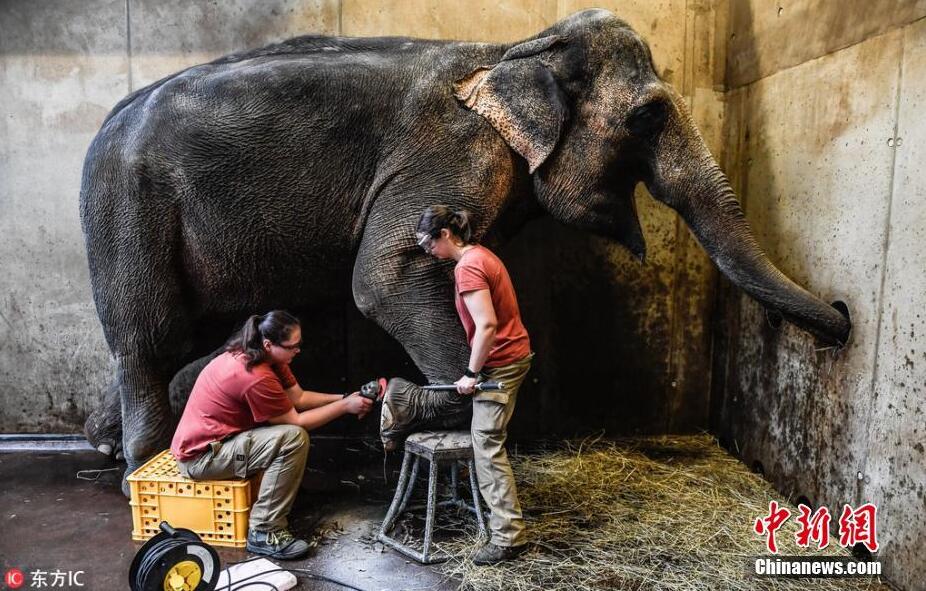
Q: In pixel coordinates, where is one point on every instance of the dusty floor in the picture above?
(53, 520)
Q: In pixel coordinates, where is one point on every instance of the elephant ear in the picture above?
(520, 98)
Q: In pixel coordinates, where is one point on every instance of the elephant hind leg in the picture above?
(103, 427)
(151, 338)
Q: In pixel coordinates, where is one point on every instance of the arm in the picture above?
(316, 417)
(307, 399)
(479, 304)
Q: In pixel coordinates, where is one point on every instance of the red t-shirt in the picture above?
(477, 269)
(227, 399)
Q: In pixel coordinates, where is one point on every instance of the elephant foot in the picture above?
(126, 488)
(103, 427)
(143, 439)
(395, 420)
(408, 408)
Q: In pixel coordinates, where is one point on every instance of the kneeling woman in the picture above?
(223, 432)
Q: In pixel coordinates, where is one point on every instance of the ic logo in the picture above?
(14, 578)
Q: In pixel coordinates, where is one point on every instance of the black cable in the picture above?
(327, 579)
(264, 583)
(305, 572)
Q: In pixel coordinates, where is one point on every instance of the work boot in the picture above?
(491, 554)
(277, 544)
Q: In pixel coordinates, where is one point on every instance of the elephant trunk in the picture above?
(695, 186)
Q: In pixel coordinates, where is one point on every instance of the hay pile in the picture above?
(668, 513)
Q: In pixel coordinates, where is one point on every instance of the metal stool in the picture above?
(455, 447)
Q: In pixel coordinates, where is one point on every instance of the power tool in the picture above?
(374, 390)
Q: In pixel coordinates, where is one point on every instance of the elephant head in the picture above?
(582, 103)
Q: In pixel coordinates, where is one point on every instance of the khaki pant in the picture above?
(280, 451)
(491, 413)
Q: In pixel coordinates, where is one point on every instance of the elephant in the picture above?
(256, 180)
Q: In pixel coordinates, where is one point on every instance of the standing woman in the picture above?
(500, 350)
(246, 414)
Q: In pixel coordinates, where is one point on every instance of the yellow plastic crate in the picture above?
(217, 510)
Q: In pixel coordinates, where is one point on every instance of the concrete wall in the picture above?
(825, 134)
(813, 107)
(621, 346)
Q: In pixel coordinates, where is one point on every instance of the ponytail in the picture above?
(437, 217)
(276, 326)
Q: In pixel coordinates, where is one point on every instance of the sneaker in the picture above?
(491, 554)
(276, 544)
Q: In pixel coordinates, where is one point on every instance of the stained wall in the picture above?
(824, 136)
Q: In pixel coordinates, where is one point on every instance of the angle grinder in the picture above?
(374, 390)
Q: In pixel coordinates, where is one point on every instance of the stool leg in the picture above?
(477, 503)
(432, 501)
(399, 494)
(411, 486)
(455, 481)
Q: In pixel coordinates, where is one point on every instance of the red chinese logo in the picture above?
(814, 527)
(859, 527)
(772, 523)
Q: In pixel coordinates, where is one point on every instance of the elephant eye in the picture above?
(648, 119)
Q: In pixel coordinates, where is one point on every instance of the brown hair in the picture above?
(276, 326)
(437, 217)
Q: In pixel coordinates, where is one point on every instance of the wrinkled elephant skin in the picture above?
(258, 180)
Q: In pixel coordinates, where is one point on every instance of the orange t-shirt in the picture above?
(477, 269)
(227, 399)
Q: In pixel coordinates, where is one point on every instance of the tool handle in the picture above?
(480, 387)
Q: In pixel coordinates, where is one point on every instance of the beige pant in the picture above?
(491, 413)
(280, 451)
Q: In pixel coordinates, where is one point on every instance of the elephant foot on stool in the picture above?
(103, 427)
(408, 408)
(396, 415)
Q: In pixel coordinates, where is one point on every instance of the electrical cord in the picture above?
(326, 579)
(155, 555)
(232, 585)
(258, 584)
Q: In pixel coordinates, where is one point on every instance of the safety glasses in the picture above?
(425, 241)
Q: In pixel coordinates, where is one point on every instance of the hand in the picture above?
(358, 405)
(466, 385)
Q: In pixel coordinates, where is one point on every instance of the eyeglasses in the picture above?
(290, 347)
(425, 241)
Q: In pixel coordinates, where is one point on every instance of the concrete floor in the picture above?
(53, 520)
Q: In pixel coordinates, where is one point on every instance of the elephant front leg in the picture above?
(408, 408)
(181, 385)
(410, 295)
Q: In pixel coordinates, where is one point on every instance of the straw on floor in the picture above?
(667, 513)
